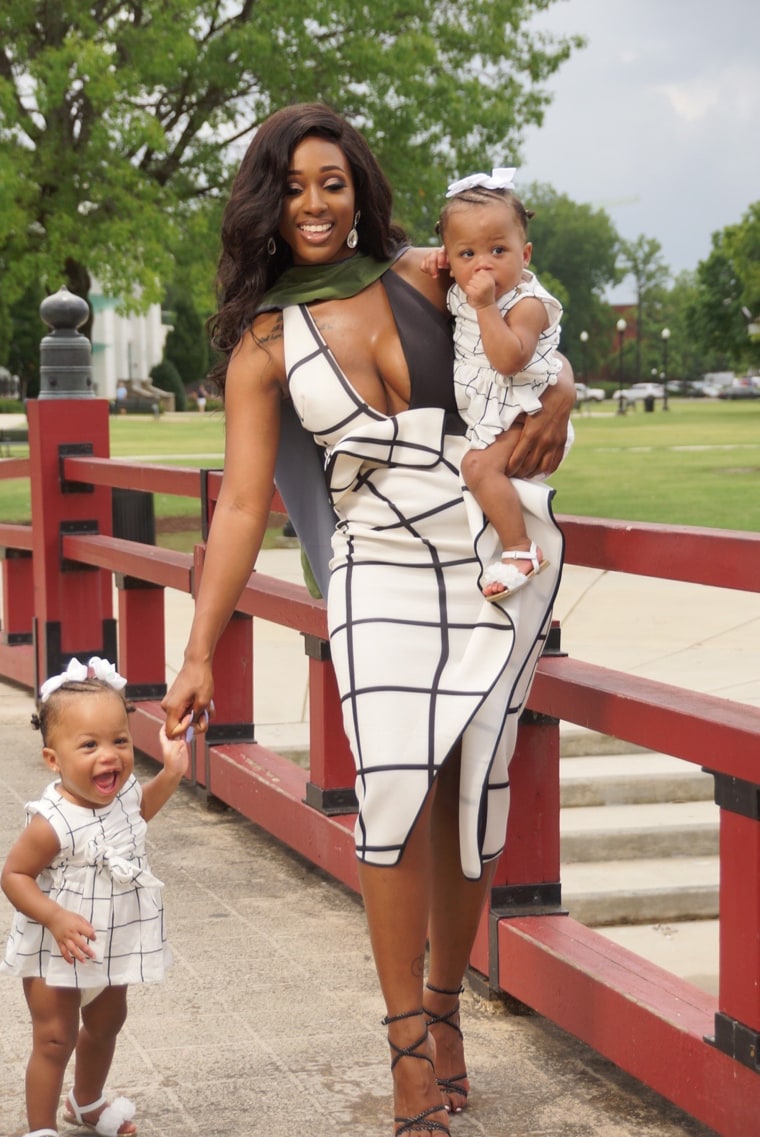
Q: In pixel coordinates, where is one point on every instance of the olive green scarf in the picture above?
(303, 284)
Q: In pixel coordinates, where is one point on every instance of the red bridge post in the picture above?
(737, 1021)
(18, 596)
(72, 602)
(527, 879)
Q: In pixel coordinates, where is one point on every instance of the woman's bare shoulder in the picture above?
(259, 353)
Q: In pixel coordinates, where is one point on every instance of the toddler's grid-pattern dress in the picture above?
(102, 873)
(490, 402)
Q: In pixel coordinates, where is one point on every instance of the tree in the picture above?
(642, 259)
(120, 121)
(576, 246)
(166, 377)
(27, 330)
(727, 299)
(686, 359)
(187, 343)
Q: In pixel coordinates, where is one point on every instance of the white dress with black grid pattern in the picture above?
(101, 873)
(421, 659)
(490, 402)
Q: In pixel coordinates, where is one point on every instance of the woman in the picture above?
(325, 311)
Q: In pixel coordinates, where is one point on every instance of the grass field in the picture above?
(696, 464)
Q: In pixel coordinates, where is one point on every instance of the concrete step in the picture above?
(633, 778)
(648, 890)
(639, 842)
(579, 741)
(624, 832)
(686, 948)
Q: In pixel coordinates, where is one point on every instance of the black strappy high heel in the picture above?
(420, 1121)
(448, 1085)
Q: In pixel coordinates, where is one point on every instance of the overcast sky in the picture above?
(657, 119)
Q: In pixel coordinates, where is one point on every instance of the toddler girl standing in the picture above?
(89, 913)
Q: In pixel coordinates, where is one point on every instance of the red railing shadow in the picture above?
(698, 1051)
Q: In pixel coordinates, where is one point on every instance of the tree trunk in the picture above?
(78, 282)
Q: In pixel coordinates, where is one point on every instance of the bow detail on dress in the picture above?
(106, 860)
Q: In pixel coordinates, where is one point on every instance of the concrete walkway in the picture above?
(269, 1022)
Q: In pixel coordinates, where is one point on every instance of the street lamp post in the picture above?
(665, 336)
(621, 326)
(584, 349)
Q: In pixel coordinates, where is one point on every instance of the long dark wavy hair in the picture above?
(252, 216)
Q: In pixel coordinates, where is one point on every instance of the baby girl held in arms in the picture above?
(506, 334)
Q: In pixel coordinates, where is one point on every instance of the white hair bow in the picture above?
(501, 178)
(77, 672)
(106, 671)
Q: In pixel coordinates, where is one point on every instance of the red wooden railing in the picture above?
(698, 1051)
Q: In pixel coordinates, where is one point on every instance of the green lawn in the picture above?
(696, 464)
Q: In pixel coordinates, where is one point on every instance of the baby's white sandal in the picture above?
(509, 575)
(111, 1119)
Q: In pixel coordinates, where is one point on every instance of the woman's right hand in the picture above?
(191, 692)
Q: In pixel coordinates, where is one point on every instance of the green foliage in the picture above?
(687, 358)
(727, 293)
(120, 123)
(576, 246)
(166, 376)
(642, 260)
(186, 344)
(27, 330)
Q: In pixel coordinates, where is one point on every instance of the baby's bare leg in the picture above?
(484, 473)
(102, 1020)
(55, 1020)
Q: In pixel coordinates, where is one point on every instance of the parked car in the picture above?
(702, 390)
(640, 391)
(584, 394)
(739, 391)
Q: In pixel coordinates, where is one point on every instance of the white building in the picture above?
(124, 348)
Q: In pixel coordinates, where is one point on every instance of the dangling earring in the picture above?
(271, 246)
(352, 240)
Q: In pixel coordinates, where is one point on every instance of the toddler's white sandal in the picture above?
(110, 1120)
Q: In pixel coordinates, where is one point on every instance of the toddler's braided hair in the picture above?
(49, 711)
